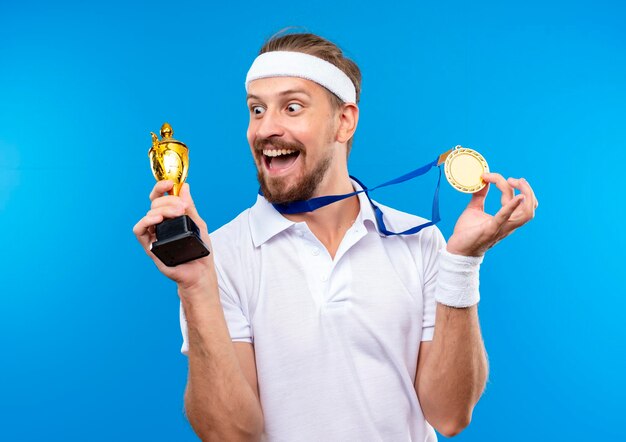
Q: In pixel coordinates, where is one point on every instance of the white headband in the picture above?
(298, 64)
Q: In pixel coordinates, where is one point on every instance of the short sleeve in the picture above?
(432, 243)
(235, 308)
(235, 313)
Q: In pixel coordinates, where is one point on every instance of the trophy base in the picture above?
(178, 241)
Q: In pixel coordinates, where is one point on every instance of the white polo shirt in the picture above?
(336, 341)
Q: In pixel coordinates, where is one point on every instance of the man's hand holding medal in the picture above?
(476, 231)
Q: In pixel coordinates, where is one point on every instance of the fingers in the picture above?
(168, 200)
(525, 188)
(160, 189)
(508, 192)
(155, 216)
(162, 208)
(171, 206)
(521, 209)
(144, 229)
(505, 213)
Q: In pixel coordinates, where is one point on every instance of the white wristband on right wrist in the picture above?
(458, 280)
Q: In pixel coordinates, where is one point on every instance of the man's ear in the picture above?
(348, 120)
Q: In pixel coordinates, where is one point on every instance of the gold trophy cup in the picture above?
(178, 239)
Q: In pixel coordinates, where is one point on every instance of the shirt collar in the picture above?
(266, 222)
(366, 214)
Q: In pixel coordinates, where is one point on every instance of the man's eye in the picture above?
(257, 110)
(294, 107)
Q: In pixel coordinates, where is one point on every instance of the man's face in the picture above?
(291, 134)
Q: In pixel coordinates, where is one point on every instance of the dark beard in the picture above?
(304, 189)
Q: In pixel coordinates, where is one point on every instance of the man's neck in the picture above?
(330, 223)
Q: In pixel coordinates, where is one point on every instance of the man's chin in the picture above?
(278, 196)
(274, 190)
(280, 193)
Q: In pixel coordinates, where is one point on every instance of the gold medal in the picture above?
(464, 168)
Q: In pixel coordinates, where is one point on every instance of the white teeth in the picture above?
(277, 152)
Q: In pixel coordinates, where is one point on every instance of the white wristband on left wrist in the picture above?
(458, 280)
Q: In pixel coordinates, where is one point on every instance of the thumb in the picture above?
(185, 195)
(478, 199)
(192, 212)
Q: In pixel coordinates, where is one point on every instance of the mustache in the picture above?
(265, 143)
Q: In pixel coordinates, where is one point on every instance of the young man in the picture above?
(315, 326)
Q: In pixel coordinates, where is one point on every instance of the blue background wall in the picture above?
(89, 337)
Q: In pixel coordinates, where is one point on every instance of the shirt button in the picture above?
(315, 251)
(300, 233)
(324, 277)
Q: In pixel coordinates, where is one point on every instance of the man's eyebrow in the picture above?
(294, 91)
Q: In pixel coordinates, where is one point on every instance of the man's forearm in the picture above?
(454, 375)
(219, 402)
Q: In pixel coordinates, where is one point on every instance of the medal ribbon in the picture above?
(315, 203)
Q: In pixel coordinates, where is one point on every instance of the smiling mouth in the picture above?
(277, 160)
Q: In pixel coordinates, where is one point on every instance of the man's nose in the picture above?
(270, 125)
